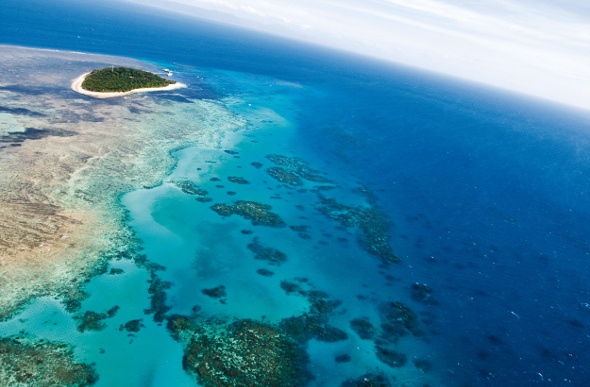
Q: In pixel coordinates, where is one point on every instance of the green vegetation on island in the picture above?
(121, 79)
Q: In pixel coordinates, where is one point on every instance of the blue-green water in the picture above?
(486, 193)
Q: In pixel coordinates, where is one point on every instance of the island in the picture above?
(119, 81)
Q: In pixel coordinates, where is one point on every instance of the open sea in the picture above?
(483, 196)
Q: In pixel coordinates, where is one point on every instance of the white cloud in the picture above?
(538, 47)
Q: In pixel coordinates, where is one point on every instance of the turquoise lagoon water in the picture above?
(486, 194)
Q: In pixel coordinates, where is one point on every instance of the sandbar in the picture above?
(77, 87)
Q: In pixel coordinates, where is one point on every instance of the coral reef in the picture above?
(423, 293)
(298, 167)
(397, 320)
(243, 353)
(27, 362)
(157, 290)
(132, 326)
(257, 213)
(265, 273)
(238, 180)
(314, 323)
(190, 188)
(374, 226)
(284, 176)
(218, 292)
(363, 328)
(93, 321)
(268, 254)
(368, 380)
(391, 357)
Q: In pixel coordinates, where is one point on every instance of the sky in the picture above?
(536, 47)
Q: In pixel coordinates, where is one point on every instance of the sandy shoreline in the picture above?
(77, 87)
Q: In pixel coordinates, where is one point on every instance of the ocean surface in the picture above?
(484, 197)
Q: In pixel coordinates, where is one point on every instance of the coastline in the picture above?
(77, 87)
(58, 208)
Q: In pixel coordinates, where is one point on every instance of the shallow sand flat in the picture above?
(68, 159)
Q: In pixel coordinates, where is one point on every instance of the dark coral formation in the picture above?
(238, 180)
(391, 357)
(243, 353)
(290, 287)
(313, 324)
(265, 273)
(302, 231)
(298, 167)
(218, 292)
(374, 226)
(268, 254)
(157, 290)
(284, 176)
(257, 213)
(16, 138)
(397, 320)
(256, 164)
(41, 363)
(368, 380)
(423, 293)
(93, 321)
(190, 188)
(363, 328)
(132, 326)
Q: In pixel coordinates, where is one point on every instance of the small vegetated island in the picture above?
(117, 81)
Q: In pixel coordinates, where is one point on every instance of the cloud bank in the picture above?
(536, 47)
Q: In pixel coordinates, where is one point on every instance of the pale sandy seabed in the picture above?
(65, 159)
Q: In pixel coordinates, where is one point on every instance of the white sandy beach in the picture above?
(77, 87)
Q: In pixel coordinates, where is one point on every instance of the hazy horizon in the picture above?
(539, 48)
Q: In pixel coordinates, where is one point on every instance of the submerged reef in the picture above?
(423, 293)
(397, 321)
(293, 166)
(238, 180)
(242, 353)
(27, 362)
(284, 176)
(368, 380)
(363, 328)
(218, 292)
(157, 291)
(373, 225)
(314, 324)
(190, 188)
(268, 254)
(265, 272)
(391, 357)
(132, 326)
(257, 213)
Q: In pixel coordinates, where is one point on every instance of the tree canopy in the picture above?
(121, 79)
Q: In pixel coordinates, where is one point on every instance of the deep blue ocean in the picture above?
(487, 194)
